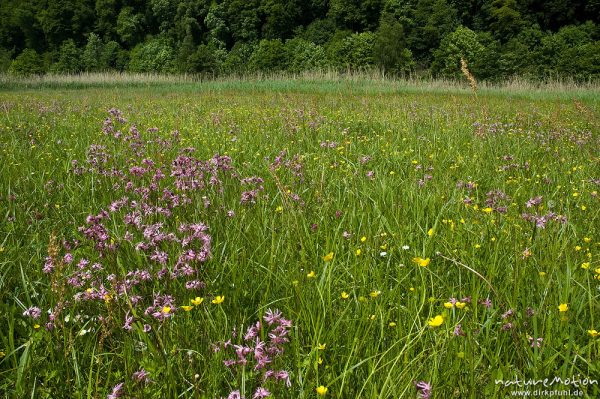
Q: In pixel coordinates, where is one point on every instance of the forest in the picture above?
(499, 39)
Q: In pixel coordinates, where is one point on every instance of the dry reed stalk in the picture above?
(465, 70)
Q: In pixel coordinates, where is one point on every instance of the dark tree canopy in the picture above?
(533, 38)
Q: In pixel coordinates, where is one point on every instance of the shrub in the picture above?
(269, 56)
(69, 58)
(389, 48)
(462, 43)
(29, 62)
(304, 56)
(238, 58)
(352, 52)
(154, 55)
(92, 53)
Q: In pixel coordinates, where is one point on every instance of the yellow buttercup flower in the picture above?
(593, 333)
(197, 301)
(363, 239)
(166, 309)
(358, 252)
(421, 262)
(487, 210)
(322, 347)
(218, 299)
(460, 305)
(328, 257)
(448, 305)
(585, 265)
(436, 321)
(392, 324)
(430, 232)
(563, 307)
(374, 294)
(345, 295)
(312, 274)
(187, 308)
(321, 390)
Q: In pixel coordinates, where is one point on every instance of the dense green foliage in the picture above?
(537, 39)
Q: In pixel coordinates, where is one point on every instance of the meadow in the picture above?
(297, 239)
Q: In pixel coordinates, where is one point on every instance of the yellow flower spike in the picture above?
(593, 333)
(345, 295)
(197, 301)
(321, 390)
(374, 294)
(358, 252)
(279, 209)
(460, 305)
(422, 262)
(436, 321)
(312, 274)
(328, 257)
(448, 305)
(563, 307)
(218, 299)
(187, 308)
(430, 232)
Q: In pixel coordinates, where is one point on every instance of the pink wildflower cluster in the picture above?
(260, 355)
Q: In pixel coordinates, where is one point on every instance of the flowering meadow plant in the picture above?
(231, 240)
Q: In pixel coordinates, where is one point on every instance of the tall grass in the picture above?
(410, 234)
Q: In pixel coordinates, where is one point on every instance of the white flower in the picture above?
(405, 247)
(383, 254)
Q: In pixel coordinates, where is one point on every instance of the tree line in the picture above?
(499, 39)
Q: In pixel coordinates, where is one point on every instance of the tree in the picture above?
(106, 15)
(389, 47)
(27, 63)
(304, 56)
(130, 26)
(354, 51)
(505, 19)
(69, 58)
(462, 43)
(356, 15)
(92, 53)
(281, 17)
(269, 56)
(243, 19)
(238, 58)
(154, 55)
